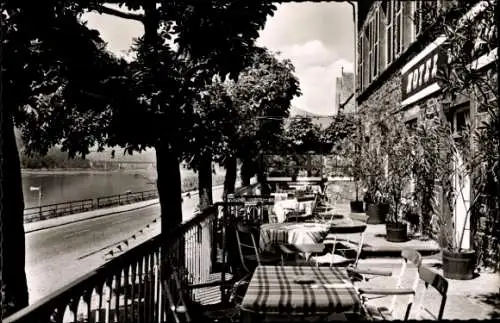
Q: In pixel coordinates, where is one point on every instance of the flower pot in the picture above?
(376, 213)
(357, 207)
(459, 265)
(396, 232)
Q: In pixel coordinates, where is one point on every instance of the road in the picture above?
(57, 256)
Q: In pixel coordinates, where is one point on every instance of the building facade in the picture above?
(344, 100)
(397, 68)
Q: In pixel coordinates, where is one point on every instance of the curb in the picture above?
(373, 252)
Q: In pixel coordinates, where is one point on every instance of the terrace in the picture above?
(296, 254)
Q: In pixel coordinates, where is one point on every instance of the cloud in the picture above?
(317, 67)
(318, 86)
(318, 39)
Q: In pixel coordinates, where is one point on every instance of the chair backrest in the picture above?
(414, 257)
(348, 231)
(439, 283)
(246, 244)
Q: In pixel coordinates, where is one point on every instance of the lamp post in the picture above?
(39, 189)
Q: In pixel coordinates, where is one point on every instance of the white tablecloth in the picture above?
(281, 208)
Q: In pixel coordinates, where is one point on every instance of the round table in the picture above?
(272, 234)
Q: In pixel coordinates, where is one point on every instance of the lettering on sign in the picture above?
(421, 74)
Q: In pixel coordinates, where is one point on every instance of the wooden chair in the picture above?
(382, 313)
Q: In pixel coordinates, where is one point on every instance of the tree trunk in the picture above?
(14, 285)
(170, 194)
(262, 178)
(205, 181)
(230, 178)
(169, 187)
(246, 173)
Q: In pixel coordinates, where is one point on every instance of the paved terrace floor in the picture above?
(478, 298)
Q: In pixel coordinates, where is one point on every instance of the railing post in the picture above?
(40, 212)
(223, 236)
(142, 196)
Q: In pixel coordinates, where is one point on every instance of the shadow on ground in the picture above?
(491, 299)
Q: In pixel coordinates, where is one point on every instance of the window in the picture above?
(376, 42)
(373, 44)
(398, 27)
(394, 30)
(360, 65)
(462, 120)
(366, 58)
(417, 18)
(459, 119)
(389, 33)
(411, 125)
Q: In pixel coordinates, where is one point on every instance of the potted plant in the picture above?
(398, 147)
(396, 225)
(353, 146)
(354, 170)
(454, 174)
(372, 172)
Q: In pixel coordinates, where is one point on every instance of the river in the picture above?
(62, 186)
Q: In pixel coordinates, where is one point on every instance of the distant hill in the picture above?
(321, 120)
(145, 156)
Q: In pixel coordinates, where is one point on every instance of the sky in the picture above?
(317, 37)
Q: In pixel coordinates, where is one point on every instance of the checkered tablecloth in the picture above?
(272, 234)
(273, 291)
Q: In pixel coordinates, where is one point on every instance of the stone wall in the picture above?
(386, 97)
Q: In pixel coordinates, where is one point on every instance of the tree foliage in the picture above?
(262, 97)
(303, 136)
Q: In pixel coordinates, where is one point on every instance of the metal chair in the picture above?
(342, 249)
(382, 313)
(440, 284)
(249, 251)
(180, 306)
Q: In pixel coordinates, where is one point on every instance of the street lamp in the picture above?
(39, 189)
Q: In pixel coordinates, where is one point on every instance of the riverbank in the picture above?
(64, 171)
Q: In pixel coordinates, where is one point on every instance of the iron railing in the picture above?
(136, 287)
(55, 210)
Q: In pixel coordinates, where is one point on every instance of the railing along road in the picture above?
(49, 211)
(135, 287)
